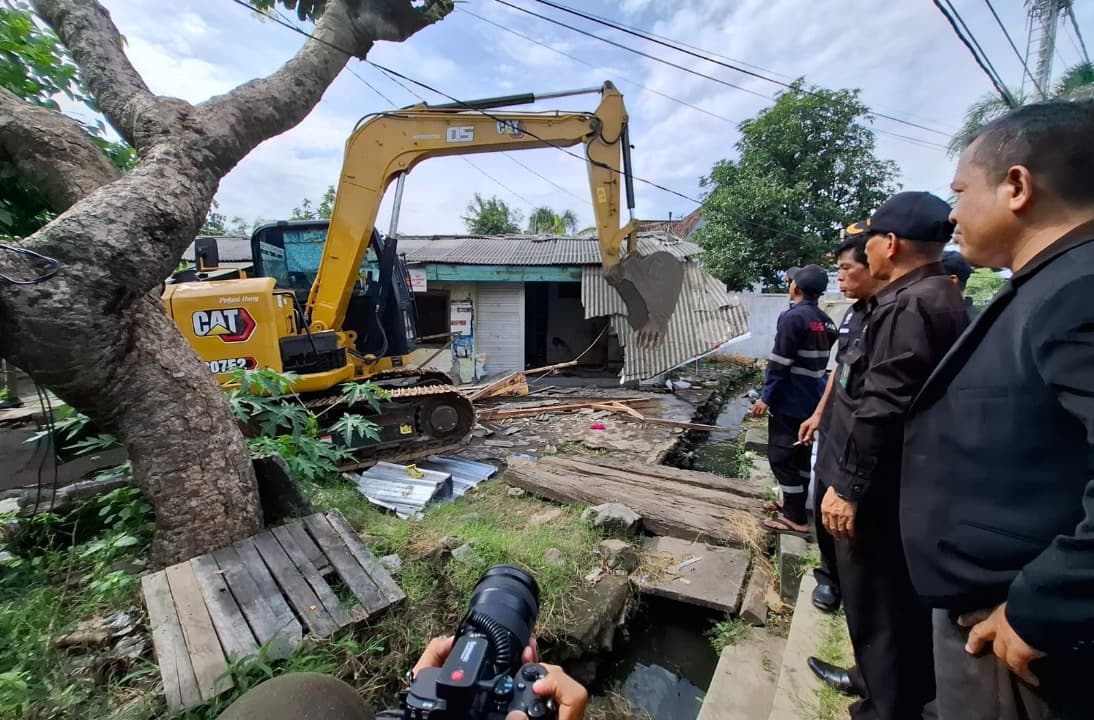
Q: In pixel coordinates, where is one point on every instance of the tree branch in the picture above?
(51, 151)
(261, 109)
(86, 29)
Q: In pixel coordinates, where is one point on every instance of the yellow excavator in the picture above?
(333, 304)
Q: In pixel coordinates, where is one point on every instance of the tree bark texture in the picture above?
(96, 333)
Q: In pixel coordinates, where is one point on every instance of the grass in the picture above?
(569, 447)
(727, 632)
(58, 581)
(835, 648)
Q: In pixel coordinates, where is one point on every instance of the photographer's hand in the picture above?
(439, 647)
(570, 695)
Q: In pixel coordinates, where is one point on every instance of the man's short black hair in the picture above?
(955, 264)
(855, 244)
(1053, 139)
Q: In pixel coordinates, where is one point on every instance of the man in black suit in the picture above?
(997, 496)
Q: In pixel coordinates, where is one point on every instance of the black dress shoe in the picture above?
(826, 598)
(837, 677)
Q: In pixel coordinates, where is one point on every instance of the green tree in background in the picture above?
(1077, 83)
(545, 221)
(307, 210)
(37, 68)
(806, 167)
(491, 217)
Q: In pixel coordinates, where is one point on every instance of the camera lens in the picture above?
(505, 605)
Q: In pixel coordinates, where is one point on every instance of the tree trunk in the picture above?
(188, 458)
(96, 333)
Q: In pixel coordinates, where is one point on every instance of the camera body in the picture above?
(483, 678)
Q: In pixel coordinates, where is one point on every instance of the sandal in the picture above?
(772, 506)
(782, 526)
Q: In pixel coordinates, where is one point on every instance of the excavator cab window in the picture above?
(291, 252)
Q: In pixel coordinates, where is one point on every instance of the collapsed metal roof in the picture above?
(529, 249)
(706, 317)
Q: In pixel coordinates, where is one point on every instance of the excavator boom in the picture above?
(391, 144)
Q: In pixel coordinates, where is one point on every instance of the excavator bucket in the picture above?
(650, 286)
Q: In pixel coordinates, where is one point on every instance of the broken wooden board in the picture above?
(225, 605)
(501, 414)
(696, 573)
(666, 506)
(744, 487)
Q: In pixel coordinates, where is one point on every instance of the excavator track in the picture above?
(422, 417)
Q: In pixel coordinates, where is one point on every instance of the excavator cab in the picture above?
(381, 310)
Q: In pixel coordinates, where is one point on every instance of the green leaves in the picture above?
(491, 217)
(806, 168)
(263, 401)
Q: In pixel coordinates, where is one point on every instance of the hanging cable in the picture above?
(1014, 47)
(1070, 10)
(687, 50)
(546, 143)
(52, 266)
(1000, 88)
(588, 64)
(711, 78)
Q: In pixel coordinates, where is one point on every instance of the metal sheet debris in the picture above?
(397, 488)
(465, 474)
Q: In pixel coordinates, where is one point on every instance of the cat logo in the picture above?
(231, 325)
(512, 128)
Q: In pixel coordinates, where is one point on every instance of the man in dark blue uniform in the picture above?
(793, 386)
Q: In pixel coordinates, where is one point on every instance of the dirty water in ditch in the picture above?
(662, 661)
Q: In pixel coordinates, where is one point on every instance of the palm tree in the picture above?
(1075, 84)
(545, 221)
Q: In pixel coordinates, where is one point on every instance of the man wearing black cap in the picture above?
(960, 271)
(911, 324)
(793, 385)
(997, 498)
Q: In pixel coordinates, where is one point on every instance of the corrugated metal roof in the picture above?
(529, 249)
(705, 318)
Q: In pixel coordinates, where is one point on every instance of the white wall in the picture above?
(763, 314)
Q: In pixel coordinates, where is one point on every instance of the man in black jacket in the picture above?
(911, 324)
(997, 503)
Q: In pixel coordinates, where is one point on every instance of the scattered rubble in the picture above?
(611, 516)
(544, 518)
(619, 556)
(464, 553)
(392, 563)
(515, 492)
(554, 557)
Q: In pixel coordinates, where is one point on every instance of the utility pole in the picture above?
(1045, 15)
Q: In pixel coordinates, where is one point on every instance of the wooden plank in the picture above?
(180, 687)
(488, 414)
(269, 616)
(351, 572)
(371, 565)
(235, 635)
(657, 484)
(747, 487)
(206, 655)
(308, 606)
(663, 511)
(311, 550)
(318, 585)
(705, 575)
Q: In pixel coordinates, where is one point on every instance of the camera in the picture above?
(483, 677)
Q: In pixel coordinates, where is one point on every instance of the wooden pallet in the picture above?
(264, 591)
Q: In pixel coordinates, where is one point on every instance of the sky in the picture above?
(901, 54)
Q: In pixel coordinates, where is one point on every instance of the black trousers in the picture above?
(828, 571)
(982, 688)
(789, 463)
(890, 630)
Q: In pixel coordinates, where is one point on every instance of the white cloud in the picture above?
(903, 56)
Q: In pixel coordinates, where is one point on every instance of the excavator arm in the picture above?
(391, 144)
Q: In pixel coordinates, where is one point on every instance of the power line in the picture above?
(1014, 47)
(1000, 88)
(594, 66)
(548, 143)
(545, 178)
(687, 50)
(690, 71)
(1075, 26)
